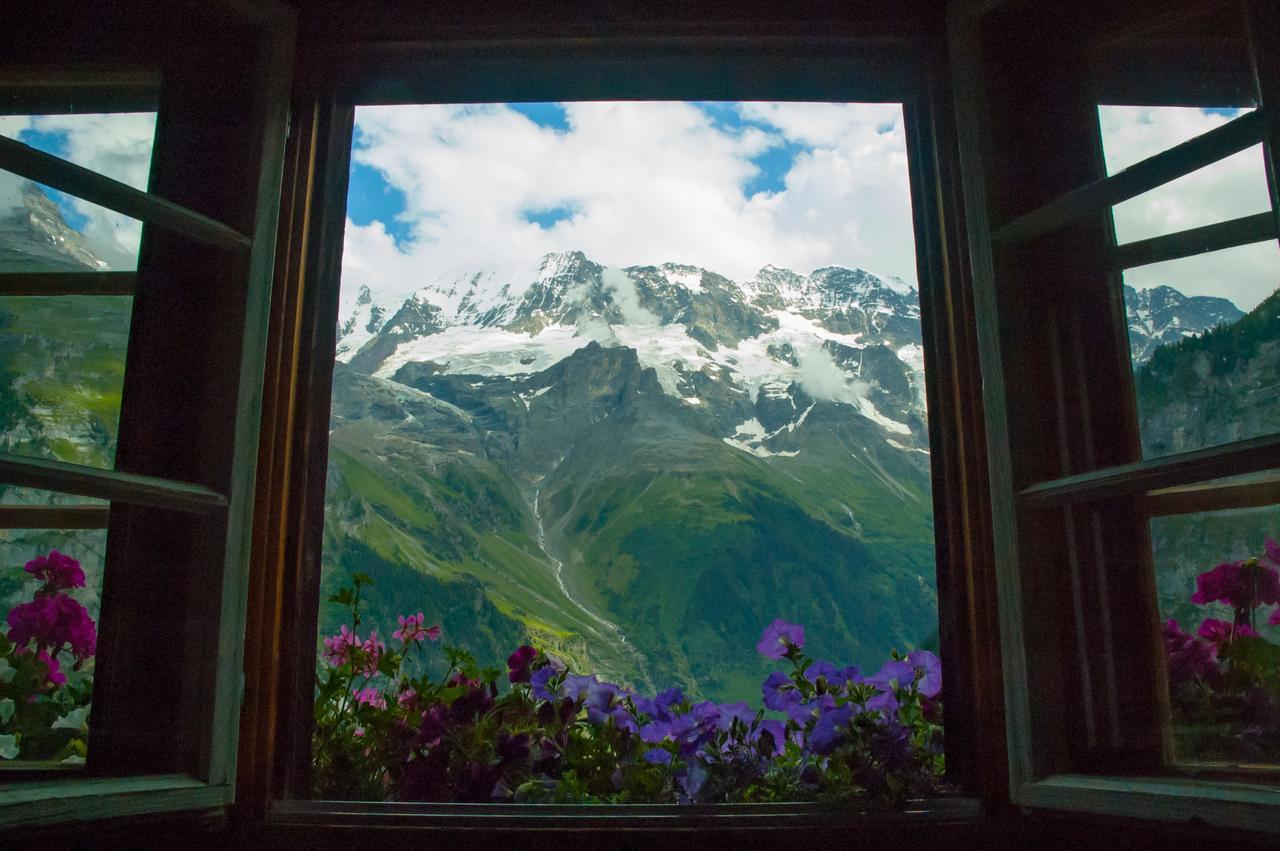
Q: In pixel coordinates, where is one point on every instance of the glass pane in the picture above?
(61, 374)
(614, 386)
(1219, 586)
(1204, 335)
(50, 587)
(62, 357)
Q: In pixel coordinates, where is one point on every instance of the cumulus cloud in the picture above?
(643, 183)
(117, 145)
(1235, 186)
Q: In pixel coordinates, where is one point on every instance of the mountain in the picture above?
(1218, 387)
(642, 467)
(1162, 316)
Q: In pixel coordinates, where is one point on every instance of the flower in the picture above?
(576, 685)
(658, 756)
(929, 670)
(54, 621)
(55, 676)
(779, 691)
(538, 683)
(826, 733)
(822, 669)
(518, 663)
(895, 672)
(1272, 552)
(727, 713)
(1189, 658)
(1220, 633)
(372, 648)
(776, 731)
(369, 696)
(56, 571)
(411, 629)
(1244, 585)
(337, 648)
(779, 638)
(885, 702)
(801, 713)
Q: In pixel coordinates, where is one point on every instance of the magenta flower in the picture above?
(337, 648)
(1220, 633)
(55, 675)
(1272, 552)
(370, 696)
(411, 629)
(372, 648)
(518, 664)
(1189, 658)
(779, 638)
(56, 571)
(54, 621)
(1243, 585)
(1274, 620)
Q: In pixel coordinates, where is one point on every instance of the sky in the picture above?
(1232, 187)
(116, 144)
(439, 190)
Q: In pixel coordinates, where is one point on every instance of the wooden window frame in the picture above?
(1057, 461)
(369, 61)
(168, 679)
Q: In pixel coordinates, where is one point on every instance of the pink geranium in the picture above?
(54, 621)
(57, 571)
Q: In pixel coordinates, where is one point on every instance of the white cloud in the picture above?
(117, 145)
(647, 183)
(1235, 186)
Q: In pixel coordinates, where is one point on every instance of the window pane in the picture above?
(61, 373)
(583, 403)
(1216, 574)
(50, 586)
(1204, 336)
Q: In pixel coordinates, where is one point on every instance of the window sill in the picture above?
(1239, 805)
(937, 812)
(61, 800)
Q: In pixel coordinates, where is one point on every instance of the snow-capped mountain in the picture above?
(1163, 315)
(777, 335)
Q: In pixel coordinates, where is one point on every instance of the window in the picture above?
(583, 403)
(135, 255)
(1122, 201)
(537, 74)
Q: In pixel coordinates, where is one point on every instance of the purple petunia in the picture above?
(929, 670)
(538, 682)
(822, 669)
(895, 672)
(779, 638)
(776, 731)
(779, 692)
(826, 733)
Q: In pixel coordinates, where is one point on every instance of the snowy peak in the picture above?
(1163, 315)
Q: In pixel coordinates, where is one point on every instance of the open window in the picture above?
(1121, 189)
(354, 443)
(140, 168)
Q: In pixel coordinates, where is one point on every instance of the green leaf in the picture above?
(1255, 654)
